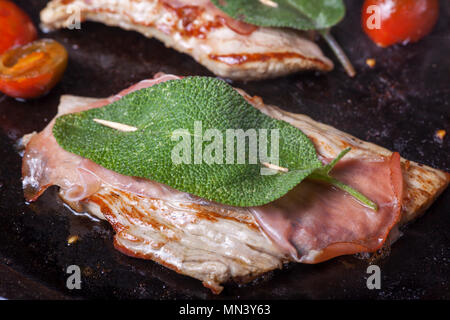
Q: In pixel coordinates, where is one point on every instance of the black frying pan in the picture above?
(399, 105)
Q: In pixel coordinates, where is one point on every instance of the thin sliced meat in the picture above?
(316, 221)
(211, 244)
(308, 223)
(312, 223)
(227, 47)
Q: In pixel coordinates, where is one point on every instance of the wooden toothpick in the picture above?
(269, 3)
(274, 167)
(116, 125)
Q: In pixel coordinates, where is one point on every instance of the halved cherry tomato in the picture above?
(32, 70)
(400, 20)
(16, 28)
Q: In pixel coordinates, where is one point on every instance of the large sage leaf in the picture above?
(163, 109)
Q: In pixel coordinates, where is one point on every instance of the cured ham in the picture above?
(227, 47)
(316, 222)
(215, 243)
(46, 163)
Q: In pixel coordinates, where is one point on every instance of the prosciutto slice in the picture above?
(316, 221)
(45, 164)
(312, 223)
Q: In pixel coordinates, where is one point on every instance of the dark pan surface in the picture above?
(399, 104)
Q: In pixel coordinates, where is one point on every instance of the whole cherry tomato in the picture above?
(16, 28)
(33, 69)
(398, 20)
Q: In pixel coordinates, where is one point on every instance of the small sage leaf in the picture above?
(297, 14)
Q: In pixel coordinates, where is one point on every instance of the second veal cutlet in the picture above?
(229, 48)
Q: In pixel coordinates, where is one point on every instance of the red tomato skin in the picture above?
(402, 21)
(16, 28)
(27, 88)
